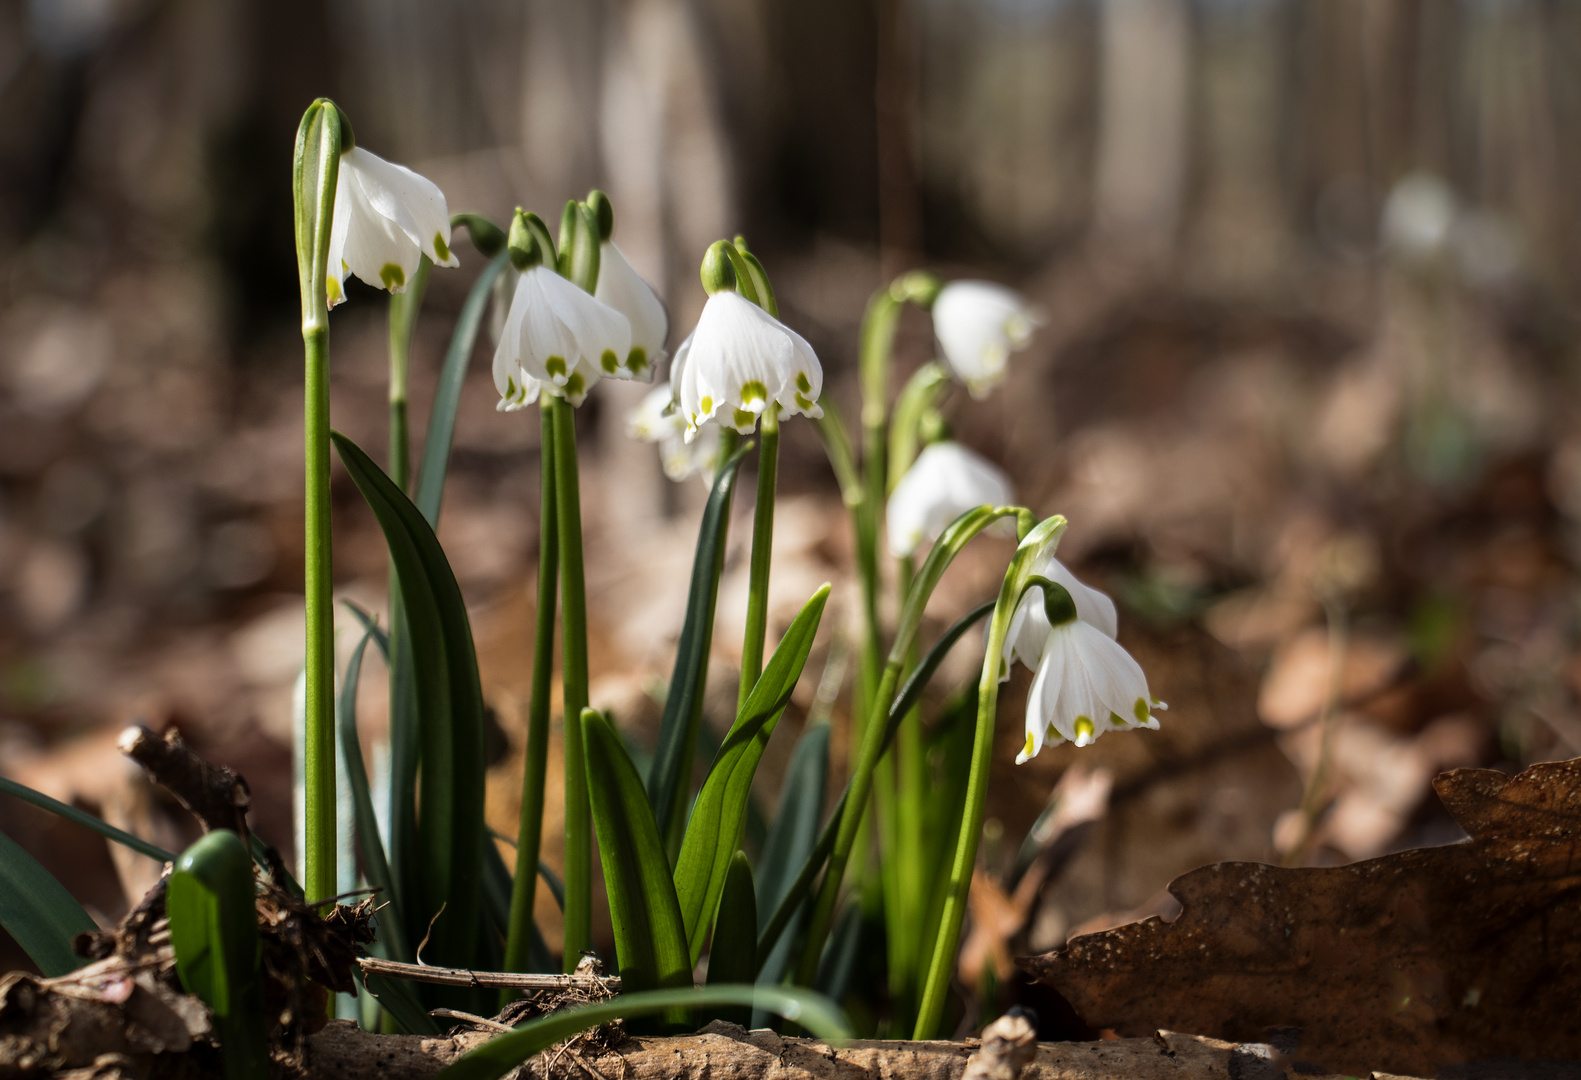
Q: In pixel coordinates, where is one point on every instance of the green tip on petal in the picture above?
(637, 360)
(1140, 710)
(717, 273)
(1085, 731)
(603, 213)
(556, 367)
(333, 290)
(609, 362)
(745, 419)
(441, 247)
(1026, 751)
(393, 276)
(575, 386)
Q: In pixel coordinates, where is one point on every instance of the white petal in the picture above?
(412, 202)
(508, 350)
(1092, 606)
(943, 483)
(978, 325)
(653, 419)
(623, 289)
(740, 359)
(567, 338)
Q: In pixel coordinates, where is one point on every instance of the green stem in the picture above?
(404, 307)
(319, 879)
(535, 773)
(573, 627)
(762, 554)
(906, 853)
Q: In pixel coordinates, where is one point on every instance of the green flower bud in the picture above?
(524, 248)
(487, 237)
(717, 273)
(921, 287)
(604, 211)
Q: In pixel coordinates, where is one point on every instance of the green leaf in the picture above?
(370, 849)
(370, 626)
(839, 957)
(715, 828)
(214, 932)
(791, 841)
(447, 397)
(87, 820)
(498, 1056)
(670, 780)
(650, 941)
(38, 912)
(396, 997)
(733, 955)
(450, 710)
(912, 690)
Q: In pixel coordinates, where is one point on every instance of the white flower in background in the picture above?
(656, 420)
(740, 360)
(1029, 628)
(386, 219)
(979, 325)
(1419, 217)
(623, 289)
(943, 483)
(556, 338)
(1086, 685)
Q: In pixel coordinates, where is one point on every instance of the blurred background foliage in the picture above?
(1307, 389)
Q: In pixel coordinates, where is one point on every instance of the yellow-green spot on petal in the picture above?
(803, 383)
(637, 360)
(332, 288)
(575, 384)
(1140, 709)
(803, 402)
(752, 390)
(1116, 720)
(441, 248)
(609, 362)
(510, 387)
(745, 418)
(392, 276)
(706, 405)
(555, 366)
(1084, 726)
(1026, 751)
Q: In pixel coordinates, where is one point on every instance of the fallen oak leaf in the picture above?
(1409, 962)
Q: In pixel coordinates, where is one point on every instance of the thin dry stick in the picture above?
(444, 976)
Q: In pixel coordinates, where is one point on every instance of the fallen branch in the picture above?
(215, 795)
(504, 980)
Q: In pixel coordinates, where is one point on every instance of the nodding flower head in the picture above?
(740, 361)
(943, 483)
(386, 219)
(979, 325)
(556, 338)
(623, 289)
(657, 420)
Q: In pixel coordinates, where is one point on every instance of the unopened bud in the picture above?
(604, 212)
(717, 273)
(524, 248)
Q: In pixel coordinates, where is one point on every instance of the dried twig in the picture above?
(216, 796)
(444, 976)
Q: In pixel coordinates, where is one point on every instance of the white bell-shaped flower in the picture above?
(386, 219)
(740, 360)
(943, 483)
(623, 289)
(556, 338)
(979, 325)
(1086, 685)
(657, 420)
(1029, 627)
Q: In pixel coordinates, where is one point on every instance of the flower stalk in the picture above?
(315, 174)
(404, 307)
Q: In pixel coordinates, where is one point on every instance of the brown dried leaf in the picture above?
(1409, 962)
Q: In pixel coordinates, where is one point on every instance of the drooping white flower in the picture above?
(979, 325)
(943, 483)
(657, 420)
(1029, 627)
(623, 289)
(1086, 685)
(556, 338)
(386, 219)
(742, 359)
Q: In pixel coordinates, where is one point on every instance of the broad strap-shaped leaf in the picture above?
(839, 956)
(670, 779)
(650, 941)
(450, 710)
(85, 819)
(791, 841)
(210, 901)
(816, 1014)
(720, 812)
(447, 397)
(370, 849)
(733, 957)
(38, 912)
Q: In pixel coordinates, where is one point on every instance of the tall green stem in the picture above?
(316, 170)
(762, 555)
(573, 628)
(529, 835)
(404, 307)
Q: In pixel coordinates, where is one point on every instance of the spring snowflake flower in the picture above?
(943, 483)
(556, 338)
(741, 360)
(1086, 683)
(979, 325)
(656, 420)
(386, 219)
(623, 289)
